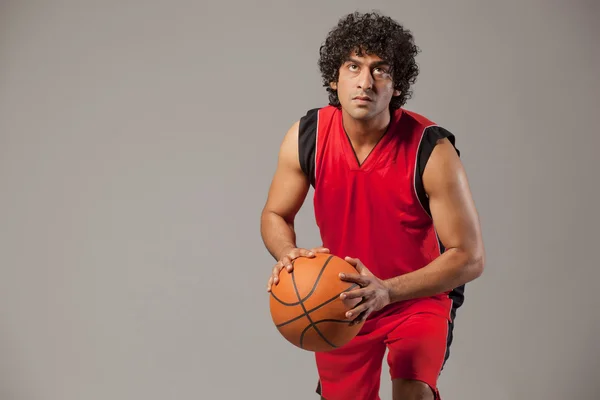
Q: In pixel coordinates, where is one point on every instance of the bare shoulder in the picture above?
(289, 185)
(288, 151)
(444, 168)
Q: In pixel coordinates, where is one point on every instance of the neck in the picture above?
(366, 132)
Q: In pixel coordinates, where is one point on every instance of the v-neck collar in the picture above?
(371, 158)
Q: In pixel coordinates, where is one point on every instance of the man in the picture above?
(391, 196)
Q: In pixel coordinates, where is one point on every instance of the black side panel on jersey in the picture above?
(307, 143)
(430, 138)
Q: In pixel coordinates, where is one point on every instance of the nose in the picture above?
(365, 79)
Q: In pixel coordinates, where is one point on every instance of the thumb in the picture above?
(359, 266)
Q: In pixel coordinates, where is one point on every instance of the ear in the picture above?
(333, 85)
(397, 93)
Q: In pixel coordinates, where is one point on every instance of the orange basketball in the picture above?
(306, 306)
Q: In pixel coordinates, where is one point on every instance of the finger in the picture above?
(306, 253)
(269, 284)
(359, 266)
(355, 312)
(286, 262)
(277, 268)
(362, 315)
(355, 294)
(351, 261)
(275, 274)
(361, 318)
(320, 250)
(361, 280)
(356, 263)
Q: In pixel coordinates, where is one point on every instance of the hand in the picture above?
(374, 292)
(286, 262)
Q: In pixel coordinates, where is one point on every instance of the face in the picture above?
(364, 86)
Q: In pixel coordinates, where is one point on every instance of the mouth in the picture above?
(362, 98)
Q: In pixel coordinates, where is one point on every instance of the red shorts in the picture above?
(417, 341)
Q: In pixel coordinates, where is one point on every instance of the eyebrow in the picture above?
(375, 64)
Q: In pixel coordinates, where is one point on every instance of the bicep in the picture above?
(289, 185)
(450, 200)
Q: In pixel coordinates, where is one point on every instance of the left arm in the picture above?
(457, 224)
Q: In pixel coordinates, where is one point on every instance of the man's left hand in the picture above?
(374, 292)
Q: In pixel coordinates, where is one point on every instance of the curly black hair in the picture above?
(376, 34)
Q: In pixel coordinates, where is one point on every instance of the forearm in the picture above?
(278, 235)
(451, 269)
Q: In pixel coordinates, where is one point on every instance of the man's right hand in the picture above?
(286, 262)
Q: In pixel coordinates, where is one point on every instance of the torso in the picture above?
(366, 205)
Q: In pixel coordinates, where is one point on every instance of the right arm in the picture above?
(285, 198)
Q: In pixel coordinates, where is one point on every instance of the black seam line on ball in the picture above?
(312, 290)
(318, 322)
(317, 307)
(304, 308)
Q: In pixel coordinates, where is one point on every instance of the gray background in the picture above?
(137, 144)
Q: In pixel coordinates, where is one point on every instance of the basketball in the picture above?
(306, 307)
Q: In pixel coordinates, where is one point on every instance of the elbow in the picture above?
(476, 265)
(268, 215)
(471, 262)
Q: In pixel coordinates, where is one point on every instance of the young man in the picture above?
(391, 196)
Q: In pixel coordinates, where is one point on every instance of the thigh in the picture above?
(352, 371)
(417, 350)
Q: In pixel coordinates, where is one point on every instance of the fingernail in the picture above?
(311, 254)
(342, 275)
(343, 295)
(348, 314)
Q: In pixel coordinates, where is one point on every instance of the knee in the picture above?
(407, 389)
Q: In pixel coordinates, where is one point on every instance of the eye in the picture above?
(353, 67)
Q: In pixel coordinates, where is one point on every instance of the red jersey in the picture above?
(376, 211)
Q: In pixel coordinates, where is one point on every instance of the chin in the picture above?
(360, 113)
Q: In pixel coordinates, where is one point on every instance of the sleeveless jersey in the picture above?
(376, 211)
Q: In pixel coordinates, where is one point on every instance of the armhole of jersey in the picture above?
(307, 143)
(430, 137)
